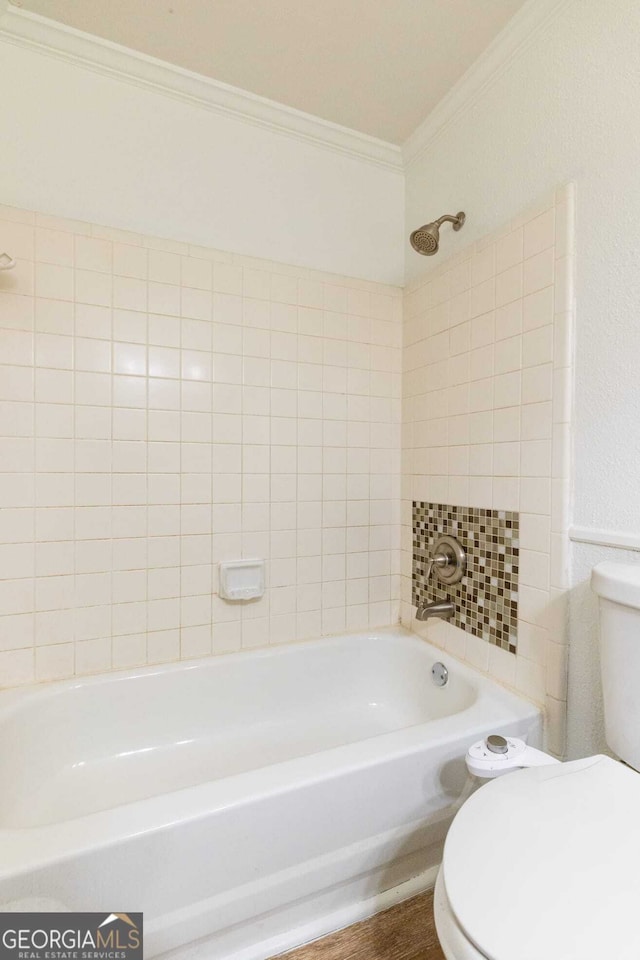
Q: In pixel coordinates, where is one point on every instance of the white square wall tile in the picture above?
(483, 297)
(93, 254)
(54, 662)
(537, 384)
(537, 346)
(509, 285)
(539, 271)
(539, 233)
(483, 265)
(17, 667)
(536, 458)
(509, 354)
(509, 250)
(54, 282)
(52, 246)
(507, 389)
(536, 419)
(507, 424)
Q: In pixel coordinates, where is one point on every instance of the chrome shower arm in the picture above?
(457, 221)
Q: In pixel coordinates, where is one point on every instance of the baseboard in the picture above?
(339, 919)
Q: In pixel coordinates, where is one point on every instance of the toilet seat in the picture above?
(453, 940)
(546, 863)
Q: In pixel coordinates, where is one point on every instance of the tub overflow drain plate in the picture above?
(439, 674)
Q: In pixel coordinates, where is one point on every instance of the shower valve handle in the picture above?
(448, 559)
(437, 560)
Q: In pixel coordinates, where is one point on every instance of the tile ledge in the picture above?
(605, 538)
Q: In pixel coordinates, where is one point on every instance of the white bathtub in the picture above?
(244, 803)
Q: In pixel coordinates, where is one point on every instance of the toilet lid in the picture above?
(545, 863)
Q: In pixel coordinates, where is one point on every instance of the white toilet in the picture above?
(544, 864)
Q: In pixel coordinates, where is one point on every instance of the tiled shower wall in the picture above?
(164, 407)
(486, 412)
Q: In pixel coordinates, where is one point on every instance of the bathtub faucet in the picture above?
(440, 608)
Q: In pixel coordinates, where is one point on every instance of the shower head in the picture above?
(426, 239)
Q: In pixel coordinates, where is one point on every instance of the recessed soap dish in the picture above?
(241, 579)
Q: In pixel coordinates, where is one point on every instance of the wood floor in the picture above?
(405, 932)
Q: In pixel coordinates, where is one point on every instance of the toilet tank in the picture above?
(618, 589)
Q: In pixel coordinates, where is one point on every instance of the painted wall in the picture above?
(164, 407)
(565, 108)
(88, 146)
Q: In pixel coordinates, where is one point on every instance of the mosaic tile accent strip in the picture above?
(486, 599)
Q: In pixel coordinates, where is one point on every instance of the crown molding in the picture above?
(510, 43)
(65, 43)
(19, 27)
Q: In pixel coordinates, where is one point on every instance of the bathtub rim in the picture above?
(27, 848)
(14, 697)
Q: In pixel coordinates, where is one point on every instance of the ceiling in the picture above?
(377, 66)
